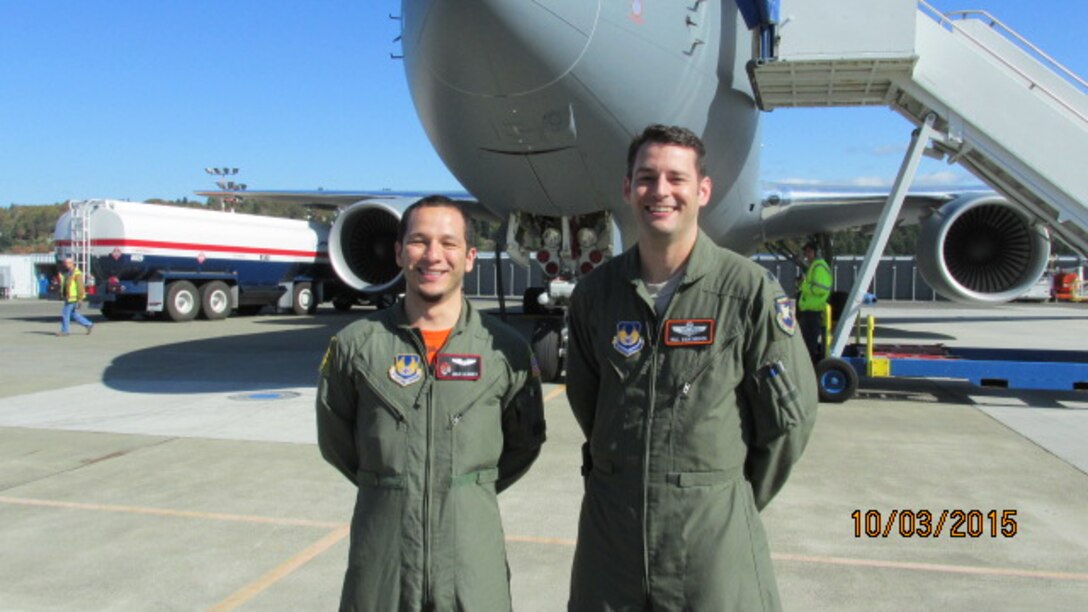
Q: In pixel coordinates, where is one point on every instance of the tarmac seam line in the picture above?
(932, 567)
(190, 514)
(86, 462)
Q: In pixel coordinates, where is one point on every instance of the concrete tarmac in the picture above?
(161, 466)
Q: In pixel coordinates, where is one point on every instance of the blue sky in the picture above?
(131, 99)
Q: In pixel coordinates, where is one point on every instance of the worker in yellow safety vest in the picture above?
(72, 293)
(813, 294)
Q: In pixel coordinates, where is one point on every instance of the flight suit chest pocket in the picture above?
(383, 421)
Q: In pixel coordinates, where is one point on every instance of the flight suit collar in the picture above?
(468, 316)
(696, 267)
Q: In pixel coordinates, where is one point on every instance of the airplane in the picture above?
(531, 106)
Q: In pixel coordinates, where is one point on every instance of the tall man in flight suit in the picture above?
(696, 396)
(430, 409)
(813, 294)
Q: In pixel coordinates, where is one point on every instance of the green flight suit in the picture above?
(693, 422)
(428, 446)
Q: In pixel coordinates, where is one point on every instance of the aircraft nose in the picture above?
(502, 47)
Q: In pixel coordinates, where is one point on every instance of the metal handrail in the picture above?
(946, 19)
(994, 22)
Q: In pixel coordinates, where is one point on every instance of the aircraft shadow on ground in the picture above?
(286, 356)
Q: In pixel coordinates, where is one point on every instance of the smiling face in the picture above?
(434, 254)
(666, 191)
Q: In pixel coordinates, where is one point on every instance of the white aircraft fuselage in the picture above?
(532, 105)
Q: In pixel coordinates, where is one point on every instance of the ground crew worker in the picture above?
(696, 397)
(814, 292)
(72, 293)
(430, 408)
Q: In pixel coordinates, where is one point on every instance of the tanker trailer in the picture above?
(184, 262)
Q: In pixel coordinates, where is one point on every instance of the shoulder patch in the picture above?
(324, 367)
(784, 315)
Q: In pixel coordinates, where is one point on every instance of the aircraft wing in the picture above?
(792, 210)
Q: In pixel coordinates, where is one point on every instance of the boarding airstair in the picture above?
(983, 96)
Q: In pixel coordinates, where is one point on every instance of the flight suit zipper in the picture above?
(428, 466)
(659, 330)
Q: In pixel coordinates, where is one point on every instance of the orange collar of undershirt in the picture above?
(433, 339)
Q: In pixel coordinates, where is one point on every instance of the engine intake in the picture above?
(361, 246)
(981, 249)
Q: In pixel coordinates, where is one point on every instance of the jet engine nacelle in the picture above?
(361, 246)
(981, 248)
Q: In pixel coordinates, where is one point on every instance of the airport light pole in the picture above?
(227, 184)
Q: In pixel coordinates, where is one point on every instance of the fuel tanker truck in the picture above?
(185, 262)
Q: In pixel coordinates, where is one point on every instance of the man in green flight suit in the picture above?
(814, 292)
(430, 409)
(696, 397)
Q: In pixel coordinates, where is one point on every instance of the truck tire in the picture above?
(302, 301)
(182, 301)
(215, 300)
(836, 380)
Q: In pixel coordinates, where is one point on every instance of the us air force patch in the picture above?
(689, 332)
(628, 339)
(784, 315)
(458, 367)
(406, 369)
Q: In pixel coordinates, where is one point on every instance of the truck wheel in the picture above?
(302, 302)
(836, 380)
(182, 301)
(215, 300)
(546, 336)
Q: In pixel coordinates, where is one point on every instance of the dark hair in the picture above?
(670, 135)
(810, 245)
(435, 201)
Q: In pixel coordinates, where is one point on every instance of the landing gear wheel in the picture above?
(215, 300)
(182, 301)
(530, 303)
(302, 300)
(342, 304)
(547, 334)
(836, 380)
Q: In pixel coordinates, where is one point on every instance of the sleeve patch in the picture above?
(784, 314)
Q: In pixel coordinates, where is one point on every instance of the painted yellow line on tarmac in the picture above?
(933, 567)
(209, 516)
(554, 393)
(254, 588)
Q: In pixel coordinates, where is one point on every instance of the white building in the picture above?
(20, 275)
